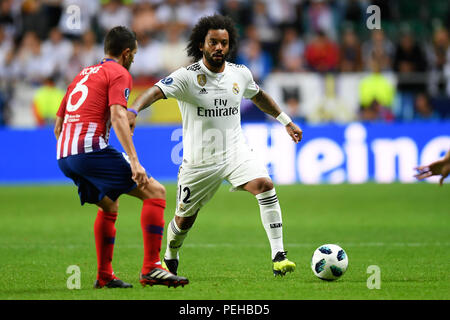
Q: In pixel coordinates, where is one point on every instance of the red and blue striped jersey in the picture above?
(85, 107)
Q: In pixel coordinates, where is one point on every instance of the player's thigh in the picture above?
(152, 190)
(195, 188)
(108, 205)
(250, 171)
(87, 191)
(107, 170)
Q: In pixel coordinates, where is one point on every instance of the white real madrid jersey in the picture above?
(210, 108)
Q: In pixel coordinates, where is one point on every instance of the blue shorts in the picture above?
(98, 174)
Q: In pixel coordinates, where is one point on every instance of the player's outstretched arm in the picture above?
(58, 126)
(439, 167)
(119, 122)
(147, 98)
(266, 104)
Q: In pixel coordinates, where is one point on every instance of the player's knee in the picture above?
(155, 190)
(114, 207)
(109, 207)
(160, 191)
(265, 185)
(185, 223)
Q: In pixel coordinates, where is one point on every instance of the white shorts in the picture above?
(196, 186)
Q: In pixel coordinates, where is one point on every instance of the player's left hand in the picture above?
(440, 167)
(295, 132)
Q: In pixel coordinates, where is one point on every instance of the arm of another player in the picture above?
(58, 126)
(439, 167)
(119, 122)
(265, 102)
(147, 98)
(60, 117)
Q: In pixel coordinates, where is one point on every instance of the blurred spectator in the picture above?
(77, 16)
(200, 8)
(46, 102)
(268, 34)
(33, 18)
(6, 48)
(92, 51)
(291, 52)
(256, 59)
(350, 52)
(423, 110)
(438, 55)
(2, 109)
(376, 95)
(184, 13)
(379, 48)
(173, 49)
(353, 12)
(409, 56)
(322, 54)
(39, 38)
(330, 107)
(409, 60)
(239, 11)
(319, 18)
(52, 10)
(6, 16)
(147, 61)
(291, 98)
(113, 13)
(58, 49)
(284, 13)
(144, 18)
(30, 63)
(76, 61)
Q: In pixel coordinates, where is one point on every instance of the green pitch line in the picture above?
(402, 229)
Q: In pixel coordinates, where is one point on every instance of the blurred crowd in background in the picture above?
(43, 46)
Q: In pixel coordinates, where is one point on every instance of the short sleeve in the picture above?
(119, 89)
(252, 88)
(62, 107)
(175, 85)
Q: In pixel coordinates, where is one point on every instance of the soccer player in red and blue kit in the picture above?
(95, 100)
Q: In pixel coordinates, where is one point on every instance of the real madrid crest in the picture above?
(235, 88)
(201, 79)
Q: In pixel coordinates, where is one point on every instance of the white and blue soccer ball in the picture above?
(329, 262)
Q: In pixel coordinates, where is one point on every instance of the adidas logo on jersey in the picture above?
(203, 91)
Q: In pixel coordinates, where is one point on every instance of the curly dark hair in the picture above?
(214, 22)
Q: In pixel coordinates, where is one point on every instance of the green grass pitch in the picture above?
(403, 229)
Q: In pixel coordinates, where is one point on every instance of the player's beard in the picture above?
(127, 64)
(215, 63)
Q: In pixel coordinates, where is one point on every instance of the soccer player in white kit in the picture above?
(209, 93)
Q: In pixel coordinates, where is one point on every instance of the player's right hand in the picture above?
(139, 175)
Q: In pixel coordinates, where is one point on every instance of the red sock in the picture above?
(105, 235)
(152, 224)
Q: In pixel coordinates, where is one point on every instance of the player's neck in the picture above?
(213, 69)
(113, 58)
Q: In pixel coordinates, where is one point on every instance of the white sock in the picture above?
(175, 238)
(271, 219)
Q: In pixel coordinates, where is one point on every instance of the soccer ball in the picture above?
(329, 262)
